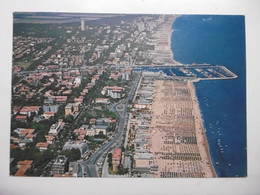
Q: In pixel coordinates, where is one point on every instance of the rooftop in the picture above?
(24, 166)
(117, 153)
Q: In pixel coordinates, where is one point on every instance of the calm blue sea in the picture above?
(218, 40)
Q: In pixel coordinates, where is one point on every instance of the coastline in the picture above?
(200, 132)
(162, 52)
(197, 108)
(199, 119)
(170, 40)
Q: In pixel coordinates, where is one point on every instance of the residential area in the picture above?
(78, 105)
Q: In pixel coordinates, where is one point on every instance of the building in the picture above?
(78, 80)
(82, 25)
(115, 94)
(140, 27)
(48, 101)
(23, 166)
(48, 115)
(74, 169)
(27, 110)
(92, 130)
(102, 101)
(116, 158)
(101, 128)
(25, 136)
(22, 132)
(103, 121)
(21, 118)
(55, 129)
(59, 165)
(72, 108)
(42, 146)
(50, 139)
(50, 108)
(125, 76)
(143, 160)
(92, 121)
(69, 109)
(112, 91)
(83, 147)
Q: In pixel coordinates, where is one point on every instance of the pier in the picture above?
(191, 72)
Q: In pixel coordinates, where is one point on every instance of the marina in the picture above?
(192, 72)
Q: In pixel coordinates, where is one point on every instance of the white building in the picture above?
(125, 76)
(77, 80)
(92, 130)
(82, 25)
(116, 94)
(140, 27)
(102, 101)
(55, 129)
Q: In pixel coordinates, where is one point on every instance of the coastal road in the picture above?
(117, 140)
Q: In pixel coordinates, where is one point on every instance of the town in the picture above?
(73, 88)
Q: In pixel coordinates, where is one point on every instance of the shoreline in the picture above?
(162, 52)
(198, 111)
(201, 128)
(170, 40)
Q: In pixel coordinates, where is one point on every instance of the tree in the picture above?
(121, 170)
(69, 119)
(109, 159)
(132, 147)
(112, 127)
(72, 155)
(40, 111)
(100, 135)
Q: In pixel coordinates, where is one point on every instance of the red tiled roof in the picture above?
(25, 165)
(42, 144)
(62, 175)
(117, 153)
(50, 113)
(16, 109)
(30, 109)
(116, 90)
(15, 139)
(13, 146)
(29, 136)
(27, 131)
(20, 117)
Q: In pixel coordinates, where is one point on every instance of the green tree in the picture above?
(109, 159)
(121, 170)
(100, 135)
(69, 119)
(72, 155)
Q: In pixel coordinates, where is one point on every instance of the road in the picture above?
(117, 140)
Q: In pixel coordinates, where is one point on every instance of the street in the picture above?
(91, 162)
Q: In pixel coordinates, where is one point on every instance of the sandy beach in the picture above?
(163, 53)
(178, 141)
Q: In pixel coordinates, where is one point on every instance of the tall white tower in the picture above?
(140, 27)
(82, 25)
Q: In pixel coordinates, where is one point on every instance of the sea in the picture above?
(217, 40)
